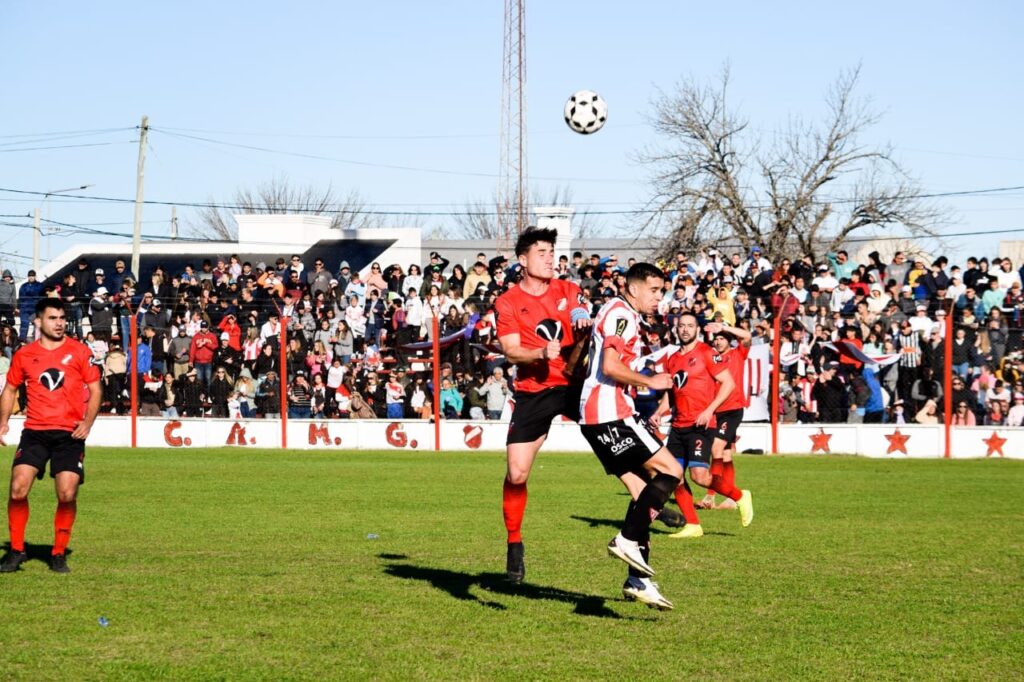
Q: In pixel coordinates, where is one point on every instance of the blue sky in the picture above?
(418, 85)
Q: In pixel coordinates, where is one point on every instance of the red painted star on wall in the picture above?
(994, 444)
(819, 441)
(897, 442)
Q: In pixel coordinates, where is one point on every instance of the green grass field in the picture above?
(245, 564)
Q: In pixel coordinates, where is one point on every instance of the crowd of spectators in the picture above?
(208, 337)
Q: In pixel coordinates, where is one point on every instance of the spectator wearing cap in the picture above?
(436, 261)
(204, 346)
(28, 294)
(825, 281)
(830, 394)
(98, 279)
(434, 278)
(8, 297)
(756, 259)
(268, 396)
(119, 275)
(478, 275)
(227, 357)
(101, 317)
(318, 280)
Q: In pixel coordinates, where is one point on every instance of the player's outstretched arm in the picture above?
(615, 369)
(741, 334)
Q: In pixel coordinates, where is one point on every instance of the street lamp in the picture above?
(37, 232)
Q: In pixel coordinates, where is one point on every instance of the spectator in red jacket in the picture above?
(200, 354)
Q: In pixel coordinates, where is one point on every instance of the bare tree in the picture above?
(279, 196)
(478, 219)
(807, 188)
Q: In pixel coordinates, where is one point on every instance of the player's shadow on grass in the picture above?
(37, 552)
(656, 528)
(459, 585)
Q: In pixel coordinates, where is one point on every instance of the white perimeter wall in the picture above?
(875, 440)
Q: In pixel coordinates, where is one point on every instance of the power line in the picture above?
(359, 211)
(64, 146)
(69, 133)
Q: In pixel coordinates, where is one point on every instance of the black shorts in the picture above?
(691, 445)
(63, 452)
(728, 424)
(533, 412)
(622, 446)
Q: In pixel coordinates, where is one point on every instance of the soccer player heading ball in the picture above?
(537, 320)
(57, 374)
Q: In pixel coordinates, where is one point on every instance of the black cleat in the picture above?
(514, 565)
(59, 564)
(12, 561)
(671, 518)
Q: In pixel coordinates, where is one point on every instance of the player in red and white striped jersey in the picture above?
(624, 447)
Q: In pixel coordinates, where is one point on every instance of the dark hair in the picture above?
(52, 303)
(639, 272)
(532, 235)
(689, 313)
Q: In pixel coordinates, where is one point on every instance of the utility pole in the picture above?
(139, 178)
(174, 222)
(35, 243)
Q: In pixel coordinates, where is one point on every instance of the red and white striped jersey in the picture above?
(616, 326)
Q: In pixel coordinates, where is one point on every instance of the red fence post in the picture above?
(947, 371)
(133, 374)
(437, 382)
(284, 386)
(774, 406)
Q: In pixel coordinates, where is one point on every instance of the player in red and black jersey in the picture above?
(701, 384)
(729, 415)
(537, 320)
(63, 388)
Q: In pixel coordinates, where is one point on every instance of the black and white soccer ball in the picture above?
(586, 112)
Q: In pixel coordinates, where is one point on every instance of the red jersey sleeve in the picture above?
(503, 312)
(16, 372)
(89, 370)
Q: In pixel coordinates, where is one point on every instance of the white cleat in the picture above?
(645, 591)
(629, 551)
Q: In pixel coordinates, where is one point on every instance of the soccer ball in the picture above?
(585, 112)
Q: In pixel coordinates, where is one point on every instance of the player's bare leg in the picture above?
(725, 479)
(66, 483)
(22, 478)
(519, 459)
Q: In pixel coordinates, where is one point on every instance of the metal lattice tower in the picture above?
(512, 175)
